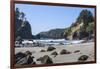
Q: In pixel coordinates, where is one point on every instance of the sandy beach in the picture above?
(76, 50)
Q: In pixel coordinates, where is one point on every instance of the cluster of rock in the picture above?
(27, 58)
(33, 44)
(24, 58)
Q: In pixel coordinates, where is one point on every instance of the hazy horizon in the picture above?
(43, 18)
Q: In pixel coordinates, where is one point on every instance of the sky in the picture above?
(43, 17)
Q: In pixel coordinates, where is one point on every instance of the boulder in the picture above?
(24, 58)
(43, 50)
(54, 53)
(19, 56)
(39, 59)
(65, 52)
(76, 51)
(45, 60)
(51, 48)
(83, 58)
(28, 53)
(30, 60)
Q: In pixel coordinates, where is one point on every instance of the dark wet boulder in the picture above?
(43, 50)
(39, 59)
(64, 52)
(76, 51)
(61, 43)
(54, 53)
(29, 60)
(28, 53)
(45, 60)
(83, 58)
(24, 58)
(51, 48)
(19, 56)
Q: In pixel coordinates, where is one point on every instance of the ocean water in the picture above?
(58, 41)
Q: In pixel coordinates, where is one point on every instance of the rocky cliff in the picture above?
(53, 34)
(82, 28)
(22, 26)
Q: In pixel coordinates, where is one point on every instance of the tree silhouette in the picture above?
(86, 16)
(17, 13)
(22, 15)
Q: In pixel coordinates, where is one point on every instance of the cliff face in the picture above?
(23, 29)
(53, 34)
(82, 28)
(22, 26)
(74, 34)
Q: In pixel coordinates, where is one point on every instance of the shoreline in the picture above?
(81, 49)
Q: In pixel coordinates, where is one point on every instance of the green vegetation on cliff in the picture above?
(22, 26)
(53, 34)
(82, 28)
